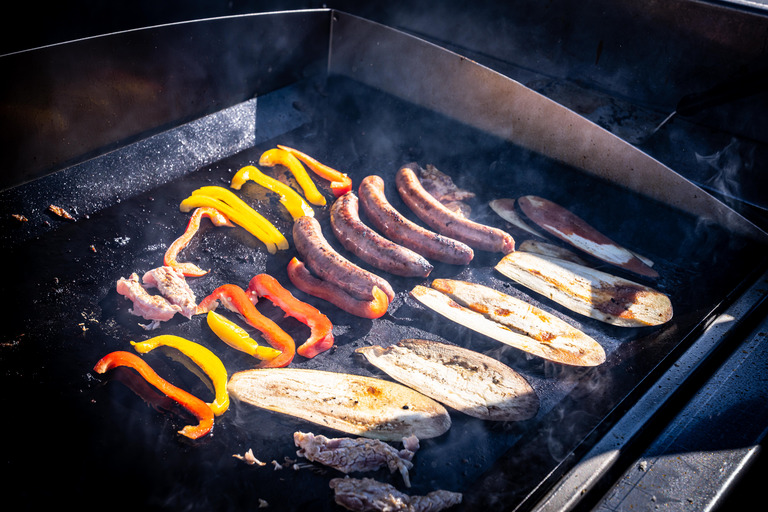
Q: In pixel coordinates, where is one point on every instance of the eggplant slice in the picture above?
(354, 404)
(588, 291)
(572, 229)
(465, 380)
(505, 208)
(568, 348)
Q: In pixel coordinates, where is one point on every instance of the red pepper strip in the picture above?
(200, 409)
(302, 279)
(171, 255)
(321, 336)
(235, 299)
(340, 182)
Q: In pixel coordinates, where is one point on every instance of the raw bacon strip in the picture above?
(171, 255)
(302, 279)
(321, 335)
(350, 455)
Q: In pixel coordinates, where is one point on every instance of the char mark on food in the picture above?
(350, 455)
(369, 495)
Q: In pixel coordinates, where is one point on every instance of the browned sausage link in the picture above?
(370, 246)
(403, 231)
(329, 265)
(441, 219)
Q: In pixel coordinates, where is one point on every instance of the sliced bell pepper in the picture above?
(321, 328)
(277, 156)
(235, 299)
(171, 255)
(232, 199)
(197, 407)
(254, 224)
(340, 182)
(200, 355)
(300, 276)
(238, 338)
(293, 202)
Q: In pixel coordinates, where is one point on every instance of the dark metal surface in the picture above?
(66, 313)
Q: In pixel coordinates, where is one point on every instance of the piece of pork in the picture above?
(369, 495)
(173, 286)
(151, 307)
(442, 187)
(349, 455)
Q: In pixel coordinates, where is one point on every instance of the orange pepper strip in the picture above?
(200, 409)
(300, 276)
(321, 335)
(235, 299)
(340, 182)
(277, 156)
(171, 255)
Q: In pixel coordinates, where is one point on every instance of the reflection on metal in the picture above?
(459, 88)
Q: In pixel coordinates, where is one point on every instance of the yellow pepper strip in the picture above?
(200, 355)
(238, 338)
(239, 212)
(293, 202)
(230, 198)
(236, 216)
(278, 156)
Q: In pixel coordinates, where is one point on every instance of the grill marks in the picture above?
(588, 291)
(467, 381)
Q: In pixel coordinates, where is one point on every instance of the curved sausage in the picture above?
(443, 220)
(403, 231)
(370, 246)
(329, 265)
(302, 279)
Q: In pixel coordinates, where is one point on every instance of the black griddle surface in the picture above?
(75, 437)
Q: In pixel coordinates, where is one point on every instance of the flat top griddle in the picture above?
(75, 437)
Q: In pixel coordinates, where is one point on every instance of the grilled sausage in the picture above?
(401, 230)
(446, 222)
(329, 265)
(302, 279)
(370, 246)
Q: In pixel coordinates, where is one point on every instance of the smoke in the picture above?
(727, 165)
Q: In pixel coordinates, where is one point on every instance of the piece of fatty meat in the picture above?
(151, 307)
(350, 455)
(369, 495)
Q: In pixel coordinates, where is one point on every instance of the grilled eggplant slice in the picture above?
(570, 350)
(354, 404)
(588, 291)
(552, 250)
(505, 208)
(465, 380)
(570, 228)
